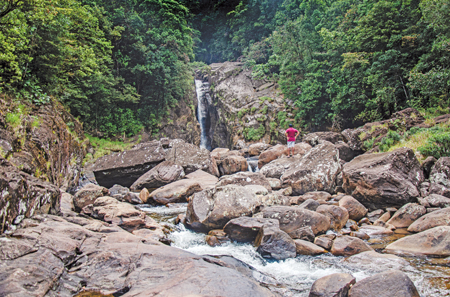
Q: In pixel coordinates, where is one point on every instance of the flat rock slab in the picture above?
(432, 242)
(333, 285)
(162, 174)
(126, 167)
(206, 180)
(434, 219)
(385, 284)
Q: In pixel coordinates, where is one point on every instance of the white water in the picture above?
(204, 100)
(298, 274)
(253, 164)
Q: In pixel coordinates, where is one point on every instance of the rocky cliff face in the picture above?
(180, 122)
(245, 110)
(41, 148)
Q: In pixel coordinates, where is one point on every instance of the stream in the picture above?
(430, 276)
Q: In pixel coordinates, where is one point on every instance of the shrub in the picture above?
(437, 146)
(254, 134)
(389, 140)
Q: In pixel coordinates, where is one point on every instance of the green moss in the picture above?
(252, 134)
(242, 112)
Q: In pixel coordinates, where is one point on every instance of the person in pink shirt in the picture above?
(291, 135)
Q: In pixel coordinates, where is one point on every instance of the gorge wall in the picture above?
(244, 109)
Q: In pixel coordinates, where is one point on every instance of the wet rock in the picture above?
(206, 180)
(431, 220)
(217, 237)
(388, 283)
(176, 192)
(356, 210)
(347, 246)
(233, 164)
(432, 242)
(292, 218)
(377, 262)
(383, 180)
(325, 241)
(274, 243)
(316, 171)
(304, 247)
(310, 204)
(375, 215)
(192, 158)
(257, 148)
(277, 168)
(360, 235)
(406, 215)
(304, 233)
(333, 285)
(338, 215)
(213, 208)
(87, 195)
(126, 167)
(440, 177)
(435, 200)
(162, 174)
(245, 178)
(245, 229)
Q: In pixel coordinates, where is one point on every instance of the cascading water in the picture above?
(253, 164)
(296, 275)
(204, 101)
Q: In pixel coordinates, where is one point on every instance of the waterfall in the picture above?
(204, 101)
(253, 164)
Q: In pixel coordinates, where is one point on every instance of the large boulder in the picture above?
(274, 243)
(192, 158)
(206, 180)
(126, 167)
(356, 210)
(256, 148)
(87, 195)
(338, 215)
(245, 229)
(277, 168)
(245, 178)
(346, 153)
(433, 219)
(440, 177)
(292, 218)
(304, 247)
(162, 174)
(333, 285)
(316, 137)
(316, 171)
(383, 180)
(377, 262)
(271, 154)
(24, 195)
(406, 215)
(347, 246)
(60, 258)
(389, 283)
(432, 242)
(213, 208)
(232, 164)
(175, 192)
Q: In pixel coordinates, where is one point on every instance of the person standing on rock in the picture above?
(291, 135)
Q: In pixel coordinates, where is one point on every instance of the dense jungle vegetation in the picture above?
(120, 65)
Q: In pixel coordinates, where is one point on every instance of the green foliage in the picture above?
(437, 146)
(264, 109)
(253, 109)
(389, 140)
(252, 134)
(242, 112)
